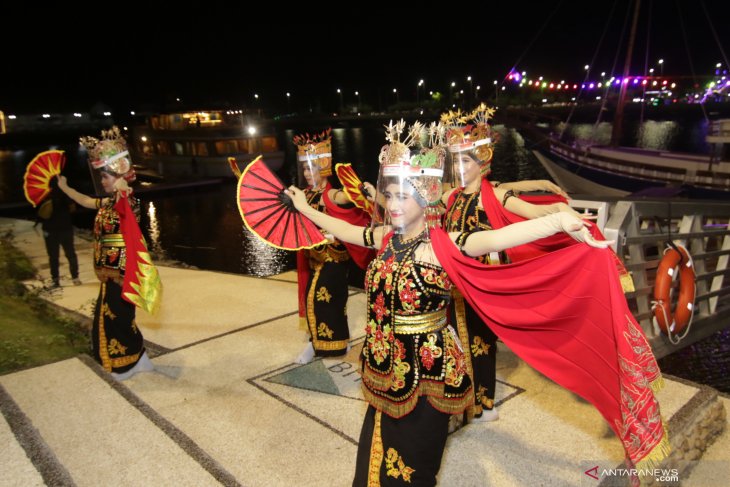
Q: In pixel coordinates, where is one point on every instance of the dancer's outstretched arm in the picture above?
(480, 243)
(341, 230)
(535, 185)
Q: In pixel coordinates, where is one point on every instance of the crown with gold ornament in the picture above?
(109, 153)
(316, 149)
(424, 168)
(470, 131)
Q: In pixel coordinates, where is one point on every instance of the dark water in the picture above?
(202, 227)
(706, 362)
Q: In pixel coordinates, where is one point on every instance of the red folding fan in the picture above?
(39, 172)
(269, 212)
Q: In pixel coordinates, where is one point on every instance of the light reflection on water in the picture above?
(203, 227)
(259, 259)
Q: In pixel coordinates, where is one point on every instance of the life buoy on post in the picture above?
(676, 259)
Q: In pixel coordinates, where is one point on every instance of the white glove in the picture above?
(481, 243)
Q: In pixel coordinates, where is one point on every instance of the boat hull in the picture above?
(169, 166)
(622, 171)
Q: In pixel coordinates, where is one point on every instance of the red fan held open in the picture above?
(269, 212)
(39, 172)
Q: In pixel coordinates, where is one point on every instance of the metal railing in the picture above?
(642, 230)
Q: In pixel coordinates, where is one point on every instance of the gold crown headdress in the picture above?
(109, 153)
(422, 169)
(470, 132)
(317, 149)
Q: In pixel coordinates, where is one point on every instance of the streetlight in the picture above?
(339, 93)
(395, 91)
(661, 67)
(357, 94)
(418, 88)
(288, 96)
(496, 91)
(451, 92)
(471, 88)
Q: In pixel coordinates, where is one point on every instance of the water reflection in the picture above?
(657, 135)
(203, 228)
(154, 231)
(259, 259)
(513, 161)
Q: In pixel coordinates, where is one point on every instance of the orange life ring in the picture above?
(674, 257)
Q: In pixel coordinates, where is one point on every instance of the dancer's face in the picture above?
(467, 168)
(404, 210)
(311, 175)
(107, 182)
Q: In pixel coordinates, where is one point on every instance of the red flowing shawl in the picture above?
(565, 314)
(500, 217)
(142, 286)
(360, 255)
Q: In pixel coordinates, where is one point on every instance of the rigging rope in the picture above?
(514, 66)
(714, 33)
(646, 66)
(689, 56)
(613, 70)
(588, 72)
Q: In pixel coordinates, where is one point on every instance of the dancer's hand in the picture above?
(578, 229)
(371, 192)
(298, 198)
(62, 182)
(553, 188)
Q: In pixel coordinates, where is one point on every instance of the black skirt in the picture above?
(116, 340)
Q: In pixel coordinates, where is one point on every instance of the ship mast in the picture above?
(619, 116)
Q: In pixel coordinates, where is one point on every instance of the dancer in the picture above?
(323, 271)
(413, 370)
(121, 261)
(470, 147)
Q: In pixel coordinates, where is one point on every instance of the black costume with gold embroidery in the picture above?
(326, 291)
(413, 368)
(464, 215)
(116, 340)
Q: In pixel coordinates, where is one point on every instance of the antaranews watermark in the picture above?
(596, 475)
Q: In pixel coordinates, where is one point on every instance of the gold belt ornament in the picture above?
(112, 240)
(423, 323)
(328, 253)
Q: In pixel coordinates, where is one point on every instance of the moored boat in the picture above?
(198, 144)
(619, 171)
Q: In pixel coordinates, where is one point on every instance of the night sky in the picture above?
(132, 56)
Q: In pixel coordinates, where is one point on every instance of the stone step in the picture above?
(99, 436)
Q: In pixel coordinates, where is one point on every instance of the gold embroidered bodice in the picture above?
(110, 255)
(409, 349)
(329, 252)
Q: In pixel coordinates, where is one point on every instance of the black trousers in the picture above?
(65, 239)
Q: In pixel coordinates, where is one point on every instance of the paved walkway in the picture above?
(226, 405)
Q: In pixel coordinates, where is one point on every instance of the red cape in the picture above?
(500, 217)
(565, 314)
(142, 286)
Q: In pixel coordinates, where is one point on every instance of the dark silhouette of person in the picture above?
(58, 232)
